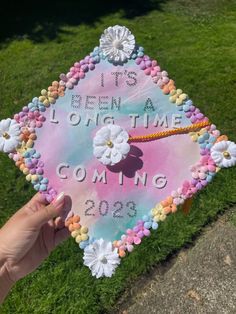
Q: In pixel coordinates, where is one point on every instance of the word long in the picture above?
(164, 120)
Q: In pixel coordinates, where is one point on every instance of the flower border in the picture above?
(28, 159)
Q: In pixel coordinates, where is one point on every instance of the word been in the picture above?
(73, 118)
(95, 102)
(118, 209)
(79, 174)
(101, 103)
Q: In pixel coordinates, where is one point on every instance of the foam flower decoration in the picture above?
(178, 196)
(101, 258)
(110, 144)
(188, 189)
(158, 213)
(195, 135)
(117, 43)
(125, 244)
(9, 135)
(167, 88)
(168, 205)
(35, 104)
(177, 96)
(224, 154)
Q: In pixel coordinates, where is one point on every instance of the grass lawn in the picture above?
(195, 42)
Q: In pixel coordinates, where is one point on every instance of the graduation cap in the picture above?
(125, 145)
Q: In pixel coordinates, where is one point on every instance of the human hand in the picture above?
(29, 236)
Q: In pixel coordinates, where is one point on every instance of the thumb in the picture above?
(48, 212)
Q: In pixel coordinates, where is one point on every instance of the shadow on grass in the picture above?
(42, 21)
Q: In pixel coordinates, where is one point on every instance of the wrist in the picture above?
(5, 283)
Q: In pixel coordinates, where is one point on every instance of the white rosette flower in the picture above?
(9, 135)
(101, 258)
(110, 144)
(224, 154)
(117, 43)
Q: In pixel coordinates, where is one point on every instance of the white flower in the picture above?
(117, 43)
(110, 144)
(9, 135)
(224, 154)
(101, 258)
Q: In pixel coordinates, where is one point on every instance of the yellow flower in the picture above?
(195, 135)
(80, 234)
(158, 213)
(177, 96)
(24, 147)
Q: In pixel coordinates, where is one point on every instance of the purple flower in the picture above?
(49, 194)
(140, 229)
(194, 114)
(205, 151)
(35, 166)
(199, 183)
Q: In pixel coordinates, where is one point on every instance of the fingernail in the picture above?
(60, 197)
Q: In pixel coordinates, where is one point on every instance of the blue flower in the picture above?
(31, 153)
(36, 105)
(83, 244)
(186, 106)
(96, 54)
(40, 184)
(210, 176)
(206, 140)
(149, 223)
(139, 52)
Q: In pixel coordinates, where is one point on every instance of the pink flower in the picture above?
(77, 72)
(30, 119)
(161, 78)
(123, 245)
(212, 129)
(188, 189)
(208, 162)
(199, 171)
(126, 244)
(178, 196)
(151, 67)
(133, 237)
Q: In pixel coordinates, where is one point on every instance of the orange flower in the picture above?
(168, 205)
(56, 90)
(27, 137)
(72, 223)
(117, 245)
(167, 88)
(222, 138)
(19, 160)
(20, 163)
